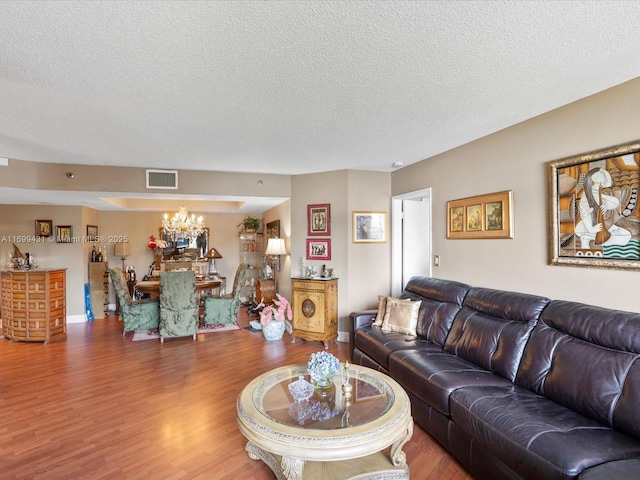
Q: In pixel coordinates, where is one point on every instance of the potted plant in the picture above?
(272, 318)
(250, 224)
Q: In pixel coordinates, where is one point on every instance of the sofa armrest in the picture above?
(359, 320)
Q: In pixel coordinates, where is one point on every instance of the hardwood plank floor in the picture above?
(98, 406)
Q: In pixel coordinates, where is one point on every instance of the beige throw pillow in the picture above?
(382, 308)
(401, 316)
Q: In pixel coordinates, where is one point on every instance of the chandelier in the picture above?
(181, 225)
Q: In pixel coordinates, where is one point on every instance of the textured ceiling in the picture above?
(294, 87)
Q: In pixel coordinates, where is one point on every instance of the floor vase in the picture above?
(274, 330)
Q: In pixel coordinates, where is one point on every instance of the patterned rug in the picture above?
(152, 333)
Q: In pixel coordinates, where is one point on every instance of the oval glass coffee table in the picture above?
(332, 434)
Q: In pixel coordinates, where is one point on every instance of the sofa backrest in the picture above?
(588, 359)
(441, 301)
(492, 328)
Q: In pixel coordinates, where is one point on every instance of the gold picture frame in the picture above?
(64, 234)
(482, 216)
(578, 186)
(44, 228)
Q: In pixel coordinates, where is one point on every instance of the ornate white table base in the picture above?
(377, 466)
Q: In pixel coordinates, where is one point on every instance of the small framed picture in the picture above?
(369, 227)
(92, 233)
(63, 234)
(318, 249)
(319, 219)
(44, 228)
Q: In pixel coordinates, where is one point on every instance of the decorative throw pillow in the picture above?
(401, 316)
(382, 308)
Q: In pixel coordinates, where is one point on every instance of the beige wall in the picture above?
(369, 267)
(17, 225)
(363, 270)
(283, 213)
(516, 159)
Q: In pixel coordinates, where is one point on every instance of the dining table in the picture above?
(203, 285)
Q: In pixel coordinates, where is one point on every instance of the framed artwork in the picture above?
(44, 228)
(63, 234)
(318, 249)
(482, 216)
(594, 218)
(319, 219)
(369, 227)
(273, 229)
(92, 233)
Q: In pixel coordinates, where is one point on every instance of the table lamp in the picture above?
(212, 255)
(122, 250)
(275, 248)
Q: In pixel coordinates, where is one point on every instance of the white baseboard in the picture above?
(343, 337)
(76, 318)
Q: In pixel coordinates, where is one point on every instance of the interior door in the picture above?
(411, 238)
(416, 239)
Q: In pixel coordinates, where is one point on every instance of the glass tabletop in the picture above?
(328, 408)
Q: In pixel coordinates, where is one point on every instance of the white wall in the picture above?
(516, 159)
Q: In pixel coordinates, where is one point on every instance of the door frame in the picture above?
(424, 194)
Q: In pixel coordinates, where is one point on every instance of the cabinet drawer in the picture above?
(308, 285)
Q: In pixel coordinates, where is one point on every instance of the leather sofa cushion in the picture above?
(534, 436)
(620, 470)
(586, 358)
(441, 301)
(432, 375)
(492, 329)
(378, 345)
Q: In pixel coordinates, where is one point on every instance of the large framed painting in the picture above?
(319, 220)
(482, 216)
(593, 212)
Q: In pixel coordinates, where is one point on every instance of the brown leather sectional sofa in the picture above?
(516, 386)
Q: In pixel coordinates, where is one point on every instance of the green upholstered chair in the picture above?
(135, 314)
(178, 308)
(224, 309)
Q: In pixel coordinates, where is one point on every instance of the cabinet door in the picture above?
(309, 311)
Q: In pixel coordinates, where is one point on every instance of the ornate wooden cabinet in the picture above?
(315, 309)
(34, 305)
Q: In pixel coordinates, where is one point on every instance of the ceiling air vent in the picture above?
(162, 179)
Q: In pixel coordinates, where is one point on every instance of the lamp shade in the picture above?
(213, 253)
(121, 249)
(275, 246)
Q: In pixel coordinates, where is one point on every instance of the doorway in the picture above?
(411, 238)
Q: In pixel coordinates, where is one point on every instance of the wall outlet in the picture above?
(436, 260)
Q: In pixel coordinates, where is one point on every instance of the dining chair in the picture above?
(135, 314)
(178, 308)
(224, 308)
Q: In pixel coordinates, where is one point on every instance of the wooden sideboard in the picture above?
(34, 305)
(315, 309)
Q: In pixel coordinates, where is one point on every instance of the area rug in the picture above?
(153, 334)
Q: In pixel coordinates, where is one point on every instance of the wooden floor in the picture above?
(98, 406)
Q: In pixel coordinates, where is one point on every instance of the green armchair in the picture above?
(178, 308)
(135, 314)
(224, 309)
